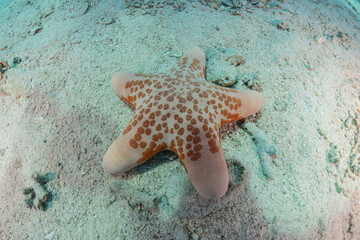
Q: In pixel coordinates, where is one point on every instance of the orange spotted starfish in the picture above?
(182, 112)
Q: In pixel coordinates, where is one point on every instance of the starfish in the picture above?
(182, 112)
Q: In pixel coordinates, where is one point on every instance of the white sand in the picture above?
(59, 115)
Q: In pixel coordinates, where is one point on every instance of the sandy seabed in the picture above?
(59, 115)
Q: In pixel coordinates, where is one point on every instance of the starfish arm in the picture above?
(192, 62)
(129, 86)
(197, 53)
(237, 104)
(134, 146)
(203, 159)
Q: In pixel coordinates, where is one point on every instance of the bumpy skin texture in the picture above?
(182, 112)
